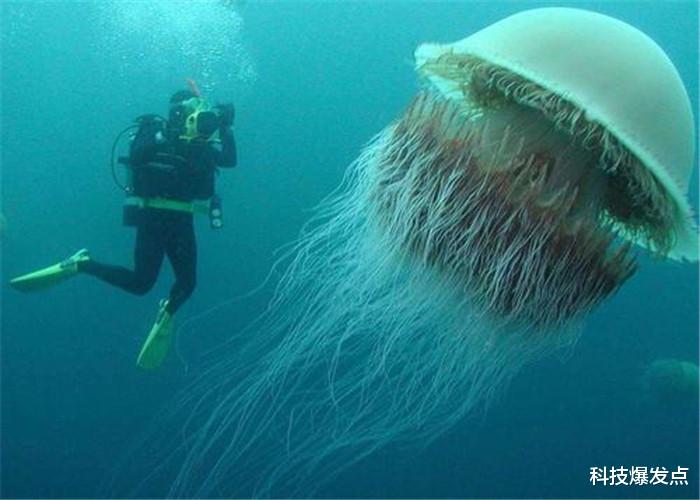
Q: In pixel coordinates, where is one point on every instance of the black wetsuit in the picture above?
(173, 169)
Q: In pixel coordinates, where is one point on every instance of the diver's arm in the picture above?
(227, 157)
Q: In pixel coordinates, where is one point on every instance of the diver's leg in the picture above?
(148, 257)
(50, 276)
(181, 248)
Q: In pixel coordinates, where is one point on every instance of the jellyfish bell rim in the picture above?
(659, 132)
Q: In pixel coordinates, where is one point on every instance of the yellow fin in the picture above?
(157, 345)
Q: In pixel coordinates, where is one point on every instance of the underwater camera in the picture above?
(202, 123)
(197, 119)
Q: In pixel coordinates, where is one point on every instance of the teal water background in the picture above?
(312, 82)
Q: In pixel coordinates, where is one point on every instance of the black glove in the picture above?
(227, 113)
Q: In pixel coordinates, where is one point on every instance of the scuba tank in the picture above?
(131, 212)
(124, 160)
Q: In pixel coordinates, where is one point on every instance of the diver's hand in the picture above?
(227, 113)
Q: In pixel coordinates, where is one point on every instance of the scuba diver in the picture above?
(171, 165)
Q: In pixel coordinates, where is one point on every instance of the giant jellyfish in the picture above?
(670, 382)
(472, 235)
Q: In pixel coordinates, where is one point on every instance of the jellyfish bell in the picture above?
(605, 83)
(671, 382)
(569, 128)
(472, 235)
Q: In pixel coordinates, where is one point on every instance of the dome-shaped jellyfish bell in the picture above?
(540, 150)
(671, 381)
